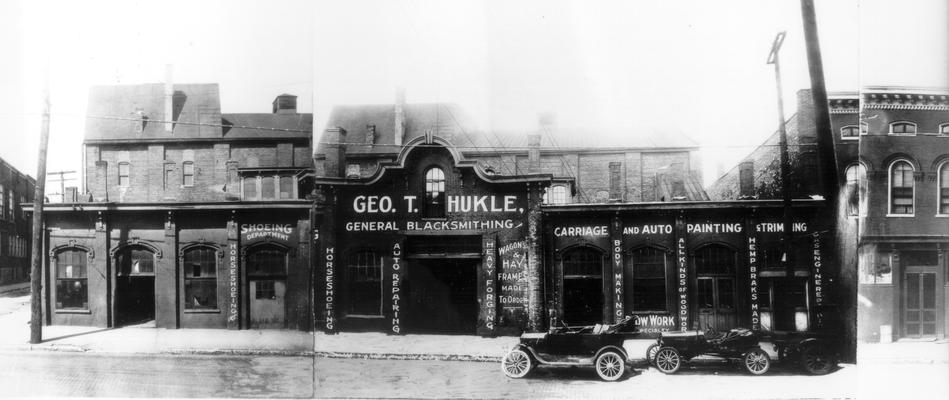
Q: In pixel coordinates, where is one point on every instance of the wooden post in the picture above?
(36, 286)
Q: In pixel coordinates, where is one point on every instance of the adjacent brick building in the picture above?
(16, 189)
(192, 217)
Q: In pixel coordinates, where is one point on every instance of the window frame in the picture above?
(889, 189)
(631, 264)
(186, 277)
(127, 251)
(84, 256)
(258, 187)
(185, 174)
(430, 206)
(942, 178)
(943, 129)
(855, 128)
(862, 203)
(127, 175)
(903, 123)
(350, 266)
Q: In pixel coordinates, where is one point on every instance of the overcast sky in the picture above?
(696, 67)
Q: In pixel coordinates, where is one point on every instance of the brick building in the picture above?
(16, 188)
(192, 217)
(891, 166)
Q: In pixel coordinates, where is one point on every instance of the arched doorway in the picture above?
(583, 286)
(715, 294)
(134, 290)
(267, 285)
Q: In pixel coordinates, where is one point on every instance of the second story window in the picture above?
(901, 188)
(849, 132)
(556, 194)
(944, 129)
(434, 193)
(944, 188)
(268, 186)
(3, 204)
(903, 128)
(123, 174)
(187, 173)
(856, 190)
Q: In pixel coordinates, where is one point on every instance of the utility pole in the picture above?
(36, 286)
(774, 59)
(62, 181)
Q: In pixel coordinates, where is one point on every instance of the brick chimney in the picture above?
(285, 104)
(533, 154)
(746, 179)
(334, 164)
(399, 116)
(169, 100)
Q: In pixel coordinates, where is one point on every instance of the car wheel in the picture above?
(816, 361)
(757, 361)
(610, 366)
(668, 360)
(517, 364)
(651, 353)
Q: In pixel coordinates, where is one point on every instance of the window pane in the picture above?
(71, 293)
(200, 263)
(188, 173)
(286, 187)
(929, 290)
(250, 188)
(267, 261)
(266, 290)
(714, 260)
(434, 193)
(71, 264)
(267, 188)
(364, 274)
(582, 262)
(912, 291)
(200, 293)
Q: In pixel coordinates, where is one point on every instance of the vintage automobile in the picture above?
(813, 352)
(599, 346)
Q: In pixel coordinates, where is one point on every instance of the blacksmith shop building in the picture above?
(192, 218)
(432, 225)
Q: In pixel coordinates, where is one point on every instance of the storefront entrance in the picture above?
(715, 287)
(583, 286)
(134, 295)
(442, 296)
(919, 302)
(267, 285)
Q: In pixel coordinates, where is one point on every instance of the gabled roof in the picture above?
(452, 123)
(282, 125)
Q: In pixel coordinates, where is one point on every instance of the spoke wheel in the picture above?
(516, 364)
(816, 361)
(610, 366)
(651, 354)
(757, 362)
(668, 360)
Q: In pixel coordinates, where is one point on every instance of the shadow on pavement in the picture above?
(76, 335)
(546, 373)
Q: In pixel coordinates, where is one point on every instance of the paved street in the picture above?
(109, 375)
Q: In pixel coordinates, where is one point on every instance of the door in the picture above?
(583, 291)
(442, 296)
(919, 302)
(267, 303)
(134, 296)
(716, 303)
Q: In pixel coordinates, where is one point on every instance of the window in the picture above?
(944, 129)
(200, 272)
(267, 188)
(187, 173)
(902, 128)
(648, 281)
(715, 260)
(849, 132)
(364, 275)
(286, 187)
(123, 174)
(267, 260)
(434, 193)
(250, 188)
(856, 190)
(352, 170)
(265, 290)
(272, 186)
(135, 260)
(944, 188)
(556, 194)
(14, 207)
(72, 290)
(901, 188)
(3, 204)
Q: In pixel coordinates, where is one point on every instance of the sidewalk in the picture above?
(902, 351)
(374, 345)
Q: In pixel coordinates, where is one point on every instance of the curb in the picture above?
(404, 356)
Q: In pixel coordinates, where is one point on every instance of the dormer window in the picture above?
(285, 104)
(434, 193)
(903, 128)
(849, 132)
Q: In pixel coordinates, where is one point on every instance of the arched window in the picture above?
(903, 128)
(124, 174)
(364, 276)
(434, 193)
(646, 279)
(187, 173)
(849, 132)
(901, 188)
(856, 189)
(72, 287)
(558, 195)
(200, 272)
(944, 188)
(267, 260)
(715, 260)
(135, 260)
